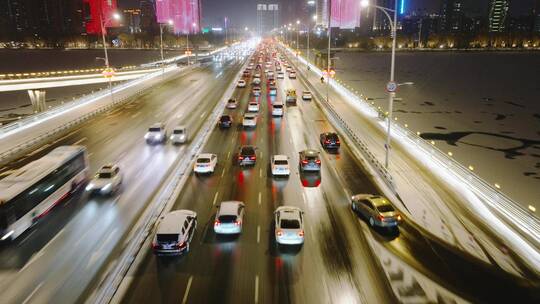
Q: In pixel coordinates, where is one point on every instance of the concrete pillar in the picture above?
(37, 97)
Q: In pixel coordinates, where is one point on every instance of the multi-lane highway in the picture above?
(337, 263)
(57, 259)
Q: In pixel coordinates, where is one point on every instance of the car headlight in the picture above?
(146, 136)
(89, 187)
(107, 187)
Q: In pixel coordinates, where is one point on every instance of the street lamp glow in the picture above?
(314, 17)
(246, 29)
(116, 16)
(364, 3)
(170, 22)
(311, 2)
(297, 21)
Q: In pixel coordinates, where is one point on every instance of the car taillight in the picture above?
(240, 157)
(238, 223)
(301, 233)
(279, 233)
(381, 218)
(217, 223)
(304, 162)
(398, 217)
(155, 245)
(180, 245)
(318, 161)
(337, 141)
(327, 141)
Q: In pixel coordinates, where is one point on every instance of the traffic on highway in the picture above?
(274, 204)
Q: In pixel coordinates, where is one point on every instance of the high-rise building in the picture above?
(321, 10)
(148, 16)
(452, 16)
(498, 11)
(536, 14)
(345, 14)
(185, 14)
(267, 17)
(132, 20)
(380, 21)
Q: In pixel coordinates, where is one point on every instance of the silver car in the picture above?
(376, 209)
(229, 218)
(179, 135)
(289, 229)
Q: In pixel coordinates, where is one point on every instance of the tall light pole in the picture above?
(297, 31)
(169, 22)
(329, 48)
(114, 16)
(391, 86)
(188, 53)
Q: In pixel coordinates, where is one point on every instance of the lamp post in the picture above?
(169, 22)
(114, 16)
(391, 86)
(329, 47)
(188, 53)
(297, 32)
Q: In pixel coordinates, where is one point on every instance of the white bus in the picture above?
(30, 192)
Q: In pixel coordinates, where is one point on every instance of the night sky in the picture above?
(242, 12)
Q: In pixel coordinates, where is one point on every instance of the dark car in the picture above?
(309, 160)
(225, 121)
(329, 140)
(246, 155)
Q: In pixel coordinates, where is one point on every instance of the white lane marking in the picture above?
(90, 154)
(304, 197)
(204, 113)
(28, 236)
(52, 240)
(215, 198)
(260, 172)
(260, 198)
(80, 141)
(228, 154)
(256, 289)
(258, 234)
(223, 173)
(184, 299)
(136, 115)
(32, 293)
(232, 139)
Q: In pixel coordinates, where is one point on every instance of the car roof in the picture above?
(247, 147)
(157, 125)
(250, 115)
(229, 207)
(377, 200)
(310, 152)
(205, 155)
(280, 157)
(179, 127)
(107, 169)
(172, 222)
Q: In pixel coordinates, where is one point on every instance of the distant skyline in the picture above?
(243, 12)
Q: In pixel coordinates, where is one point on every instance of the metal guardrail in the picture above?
(161, 204)
(6, 155)
(515, 213)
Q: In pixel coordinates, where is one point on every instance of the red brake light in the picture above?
(398, 217)
(240, 157)
(381, 218)
(304, 162)
(238, 223)
(279, 233)
(180, 245)
(155, 246)
(337, 141)
(301, 233)
(327, 141)
(318, 161)
(217, 222)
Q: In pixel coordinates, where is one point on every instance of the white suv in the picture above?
(156, 134)
(229, 218)
(106, 181)
(289, 223)
(250, 120)
(205, 163)
(174, 232)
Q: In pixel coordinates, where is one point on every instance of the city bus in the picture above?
(32, 191)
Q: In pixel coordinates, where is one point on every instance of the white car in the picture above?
(241, 83)
(179, 135)
(280, 165)
(277, 109)
(229, 218)
(253, 106)
(256, 91)
(174, 233)
(280, 75)
(256, 81)
(257, 75)
(249, 120)
(292, 75)
(156, 134)
(306, 95)
(206, 163)
(232, 103)
(289, 225)
(288, 69)
(270, 74)
(107, 180)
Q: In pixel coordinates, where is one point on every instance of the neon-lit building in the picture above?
(97, 11)
(345, 14)
(185, 14)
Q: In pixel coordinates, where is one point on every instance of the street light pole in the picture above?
(297, 32)
(391, 95)
(329, 48)
(102, 24)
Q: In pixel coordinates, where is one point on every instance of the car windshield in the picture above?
(249, 117)
(167, 238)
(104, 175)
(311, 158)
(278, 106)
(178, 131)
(385, 208)
(203, 160)
(280, 162)
(232, 101)
(154, 130)
(225, 118)
(290, 224)
(227, 218)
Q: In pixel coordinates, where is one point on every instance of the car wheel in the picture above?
(371, 222)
